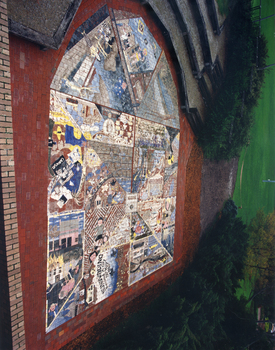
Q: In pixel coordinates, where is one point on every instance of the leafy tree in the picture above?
(228, 123)
(241, 329)
(260, 261)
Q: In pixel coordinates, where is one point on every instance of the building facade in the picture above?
(98, 119)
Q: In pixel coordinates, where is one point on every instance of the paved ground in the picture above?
(217, 185)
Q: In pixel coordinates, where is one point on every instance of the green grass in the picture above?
(258, 160)
(246, 287)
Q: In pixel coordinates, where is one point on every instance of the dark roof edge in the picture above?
(199, 19)
(177, 63)
(46, 41)
(212, 12)
(66, 22)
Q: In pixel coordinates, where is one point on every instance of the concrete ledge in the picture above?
(160, 21)
(29, 34)
(187, 37)
(204, 91)
(202, 31)
(212, 12)
(45, 41)
(194, 120)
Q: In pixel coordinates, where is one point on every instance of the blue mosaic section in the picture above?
(145, 41)
(140, 49)
(88, 25)
(65, 261)
(115, 82)
(67, 312)
(160, 101)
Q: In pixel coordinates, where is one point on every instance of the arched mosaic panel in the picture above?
(113, 160)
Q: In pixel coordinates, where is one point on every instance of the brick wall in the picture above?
(32, 71)
(12, 314)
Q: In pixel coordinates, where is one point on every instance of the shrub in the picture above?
(228, 123)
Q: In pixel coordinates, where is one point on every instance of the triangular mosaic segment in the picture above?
(147, 255)
(160, 102)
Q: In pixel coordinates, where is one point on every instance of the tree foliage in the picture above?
(228, 123)
(260, 261)
(241, 329)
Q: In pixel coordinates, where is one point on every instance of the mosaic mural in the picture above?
(113, 160)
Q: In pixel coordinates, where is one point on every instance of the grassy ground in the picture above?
(246, 286)
(257, 162)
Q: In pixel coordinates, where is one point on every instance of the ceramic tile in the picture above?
(65, 260)
(147, 255)
(160, 101)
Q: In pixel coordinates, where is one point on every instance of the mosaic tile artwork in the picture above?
(113, 163)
